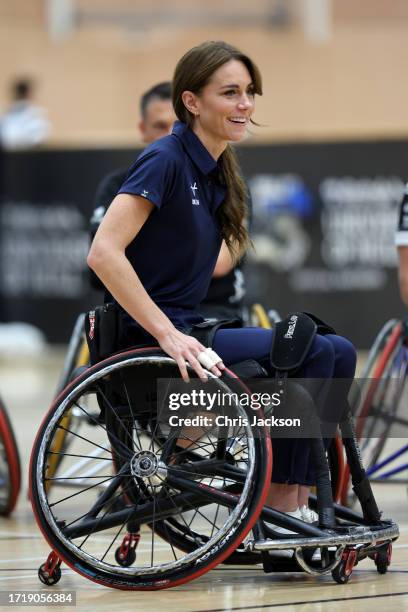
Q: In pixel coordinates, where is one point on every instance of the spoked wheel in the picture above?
(181, 532)
(10, 470)
(77, 357)
(377, 424)
(156, 475)
(383, 384)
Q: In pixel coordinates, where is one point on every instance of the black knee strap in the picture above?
(293, 338)
(291, 342)
(322, 327)
(204, 332)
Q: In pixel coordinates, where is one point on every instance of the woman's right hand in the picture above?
(182, 348)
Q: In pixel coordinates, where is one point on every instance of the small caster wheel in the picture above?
(339, 573)
(125, 559)
(383, 559)
(342, 572)
(382, 568)
(49, 578)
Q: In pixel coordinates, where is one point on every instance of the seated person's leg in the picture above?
(345, 358)
(290, 456)
(235, 345)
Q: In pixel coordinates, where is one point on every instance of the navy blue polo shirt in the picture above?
(175, 252)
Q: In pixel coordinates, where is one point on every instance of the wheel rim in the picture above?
(10, 471)
(87, 554)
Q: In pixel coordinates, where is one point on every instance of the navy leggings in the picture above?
(329, 357)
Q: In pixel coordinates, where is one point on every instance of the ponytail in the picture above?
(233, 212)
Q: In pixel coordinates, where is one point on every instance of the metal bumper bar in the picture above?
(357, 535)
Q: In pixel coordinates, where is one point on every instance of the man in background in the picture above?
(157, 118)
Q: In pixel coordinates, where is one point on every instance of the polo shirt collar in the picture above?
(194, 148)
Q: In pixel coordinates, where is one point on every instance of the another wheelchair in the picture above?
(162, 506)
(10, 469)
(380, 408)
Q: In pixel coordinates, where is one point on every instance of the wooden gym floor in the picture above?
(27, 386)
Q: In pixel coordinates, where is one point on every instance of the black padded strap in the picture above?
(322, 327)
(204, 332)
(248, 369)
(291, 342)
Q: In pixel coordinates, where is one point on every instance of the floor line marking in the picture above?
(302, 603)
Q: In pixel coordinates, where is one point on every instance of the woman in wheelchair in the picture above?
(203, 503)
(157, 246)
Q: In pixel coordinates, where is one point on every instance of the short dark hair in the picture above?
(21, 88)
(162, 91)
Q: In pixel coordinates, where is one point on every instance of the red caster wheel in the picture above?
(342, 572)
(50, 572)
(125, 555)
(125, 559)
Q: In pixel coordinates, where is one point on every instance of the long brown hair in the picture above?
(192, 73)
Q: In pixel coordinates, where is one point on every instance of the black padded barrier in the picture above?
(324, 219)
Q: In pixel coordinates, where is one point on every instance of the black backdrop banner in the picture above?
(323, 229)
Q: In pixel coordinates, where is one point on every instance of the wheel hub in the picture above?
(146, 465)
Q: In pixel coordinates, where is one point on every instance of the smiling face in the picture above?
(223, 107)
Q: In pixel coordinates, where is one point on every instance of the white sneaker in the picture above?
(296, 514)
(285, 553)
(309, 515)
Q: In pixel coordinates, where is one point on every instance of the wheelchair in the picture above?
(10, 468)
(380, 406)
(154, 506)
(77, 357)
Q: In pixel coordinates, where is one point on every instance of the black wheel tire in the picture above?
(382, 560)
(48, 579)
(382, 567)
(128, 560)
(256, 491)
(339, 574)
(11, 459)
(379, 371)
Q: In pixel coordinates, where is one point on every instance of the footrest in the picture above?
(356, 535)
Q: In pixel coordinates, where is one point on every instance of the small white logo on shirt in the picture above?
(194, 189)
(144, 193)
(195, 202)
